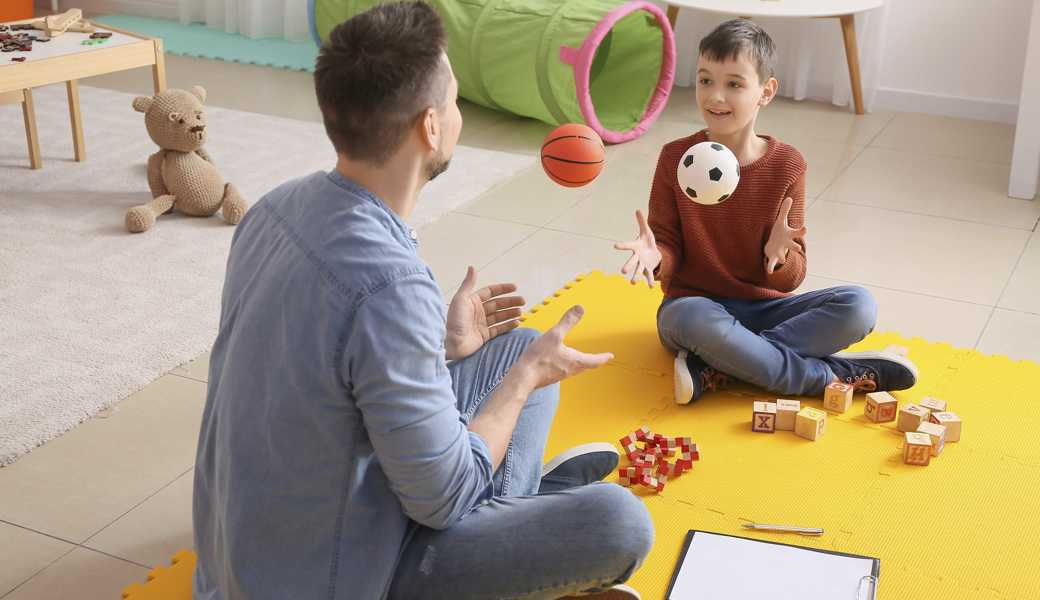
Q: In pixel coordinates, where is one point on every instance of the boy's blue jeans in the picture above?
(521, 544)
(773, 344)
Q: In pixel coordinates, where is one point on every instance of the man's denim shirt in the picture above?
(330, 424)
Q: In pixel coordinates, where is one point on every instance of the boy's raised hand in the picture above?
(645, 255)
(782, 238)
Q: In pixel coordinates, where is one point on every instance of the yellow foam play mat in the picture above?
(965, 527)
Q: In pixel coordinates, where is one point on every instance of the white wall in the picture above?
(959, 57)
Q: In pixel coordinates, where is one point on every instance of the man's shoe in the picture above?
(617, 592)
(580, 465)
(874, 371)
(692, 377)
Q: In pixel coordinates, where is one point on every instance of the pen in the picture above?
(787, 528)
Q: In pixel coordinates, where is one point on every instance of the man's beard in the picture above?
(436, 166)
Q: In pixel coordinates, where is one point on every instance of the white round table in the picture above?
(843, 10)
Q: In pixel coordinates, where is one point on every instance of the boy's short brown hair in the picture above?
(738, 37)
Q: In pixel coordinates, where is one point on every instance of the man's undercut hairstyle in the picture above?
(737, 37)
(379, 71)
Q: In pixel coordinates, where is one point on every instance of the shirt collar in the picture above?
(361, 191)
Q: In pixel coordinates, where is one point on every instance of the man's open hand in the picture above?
(476, 316)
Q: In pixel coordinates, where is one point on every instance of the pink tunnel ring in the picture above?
(581, 59)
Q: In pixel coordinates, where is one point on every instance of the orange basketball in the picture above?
(572, 155)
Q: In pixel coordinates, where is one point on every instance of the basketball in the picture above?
(572, 155)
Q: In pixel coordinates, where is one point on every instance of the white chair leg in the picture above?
(54, 6)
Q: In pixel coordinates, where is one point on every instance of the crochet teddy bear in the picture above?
(181, 174)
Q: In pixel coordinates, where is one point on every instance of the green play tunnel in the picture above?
(604, 63)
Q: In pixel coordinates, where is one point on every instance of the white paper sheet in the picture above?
(721, 567)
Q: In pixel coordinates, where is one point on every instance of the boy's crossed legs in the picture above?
(522, 544)
(788, 346)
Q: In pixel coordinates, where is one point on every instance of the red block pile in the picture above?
(650, 466)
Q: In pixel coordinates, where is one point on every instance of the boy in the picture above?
(728, 269)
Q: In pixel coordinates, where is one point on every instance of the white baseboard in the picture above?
(156, 9)
(986, 109)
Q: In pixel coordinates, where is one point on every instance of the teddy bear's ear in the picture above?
(142, 103)
(199, 91)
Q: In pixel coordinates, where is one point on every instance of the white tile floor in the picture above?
(912, 206)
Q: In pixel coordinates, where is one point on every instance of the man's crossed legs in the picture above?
(522, 544)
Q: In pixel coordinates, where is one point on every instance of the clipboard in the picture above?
(714, 565)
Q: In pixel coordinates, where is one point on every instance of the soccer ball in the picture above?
(708, 173)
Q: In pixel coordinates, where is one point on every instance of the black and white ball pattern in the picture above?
(708, 173)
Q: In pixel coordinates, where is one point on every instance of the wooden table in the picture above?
(65, 60)
(843, 10)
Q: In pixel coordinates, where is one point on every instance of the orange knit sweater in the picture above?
(718, 250)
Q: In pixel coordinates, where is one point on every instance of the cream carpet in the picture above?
(89, 313)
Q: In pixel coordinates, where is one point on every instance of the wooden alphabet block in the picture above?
(809, 423)
(938, 435)
(951, 422)
(837, 397)
(763, 417)
(881, 407)
(932, 404)
(910, 418)
(917, 449)
(786, 410)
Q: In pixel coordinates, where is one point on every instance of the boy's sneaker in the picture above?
(581, 465)
(693, 377)
(874, 371)
(617, 592)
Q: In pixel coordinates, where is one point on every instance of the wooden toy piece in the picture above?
(950, 421)
(933, 404)
(838, 397)
(918, 448)
(910, 418)
(938, 435)
(763, 419)
(785, 414)
(56, 25)
(881, 407)
(809, 423)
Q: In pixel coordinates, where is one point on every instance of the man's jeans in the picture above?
(773, 344)
(521, 544)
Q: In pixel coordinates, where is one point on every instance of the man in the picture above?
(360, 442)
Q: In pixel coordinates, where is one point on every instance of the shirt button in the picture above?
(414, 234)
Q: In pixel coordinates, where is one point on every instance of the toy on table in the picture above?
(650, 467)
(55, 25)
(573, 155)
(708, 173)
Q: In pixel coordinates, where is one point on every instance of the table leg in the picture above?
(673, 15)
(159, 69)
(848, 29)
(80, 148)
(31, 138)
